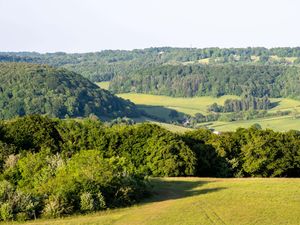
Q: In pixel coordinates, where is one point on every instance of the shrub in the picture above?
(100, 201)
(6, 191)
(56, 206)
(22, 216)
(87, 203)
(6, 211)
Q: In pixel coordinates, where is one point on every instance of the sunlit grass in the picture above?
(185, 105)
(282, 123)
(205, 201)
(191, 106)
(103, 85)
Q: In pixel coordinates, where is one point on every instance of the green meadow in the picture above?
(281, 123)
(161, 106)
(189, 106)
(204, 201)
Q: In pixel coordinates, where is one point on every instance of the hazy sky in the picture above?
(93, 25)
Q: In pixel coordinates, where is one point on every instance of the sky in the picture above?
(95, 25)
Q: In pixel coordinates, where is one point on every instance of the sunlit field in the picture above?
(282, 123)
(205, 201)
(160, 106)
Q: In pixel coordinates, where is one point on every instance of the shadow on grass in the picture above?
(274, 104)
(173, 189)
(161, 113)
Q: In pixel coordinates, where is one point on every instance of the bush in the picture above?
(16, 203)
(87, 203)
(6, 191)
(100, 201)
(22, 216)
(6, 211)
(55, 206)
(90, 202)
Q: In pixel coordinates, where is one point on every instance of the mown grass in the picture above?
(205, 201)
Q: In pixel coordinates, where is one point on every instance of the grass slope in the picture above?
(205, 201)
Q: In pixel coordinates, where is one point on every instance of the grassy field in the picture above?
(197, 104)
(205, 201)
(185, 105)
(282, 123)
(161, 105)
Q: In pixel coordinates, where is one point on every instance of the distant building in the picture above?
(217, 132)
(186, 123)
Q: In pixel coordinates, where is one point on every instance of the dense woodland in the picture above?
(39, 89)
(212, 80)
(52, 167)
(104, 65)
(183, 72)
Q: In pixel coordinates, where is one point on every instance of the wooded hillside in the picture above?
(212, 80)
(40, 89)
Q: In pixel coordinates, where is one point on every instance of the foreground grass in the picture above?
(205, 201)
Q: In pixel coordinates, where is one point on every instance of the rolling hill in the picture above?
(40, 89)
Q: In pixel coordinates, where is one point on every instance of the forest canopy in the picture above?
(104, 65)
(40, 89)
(212, 80)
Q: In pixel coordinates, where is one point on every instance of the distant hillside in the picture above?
(40, 89)
(212, 80)
(104, 65)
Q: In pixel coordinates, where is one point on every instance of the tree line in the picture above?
(245, 104)
(52, 167)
